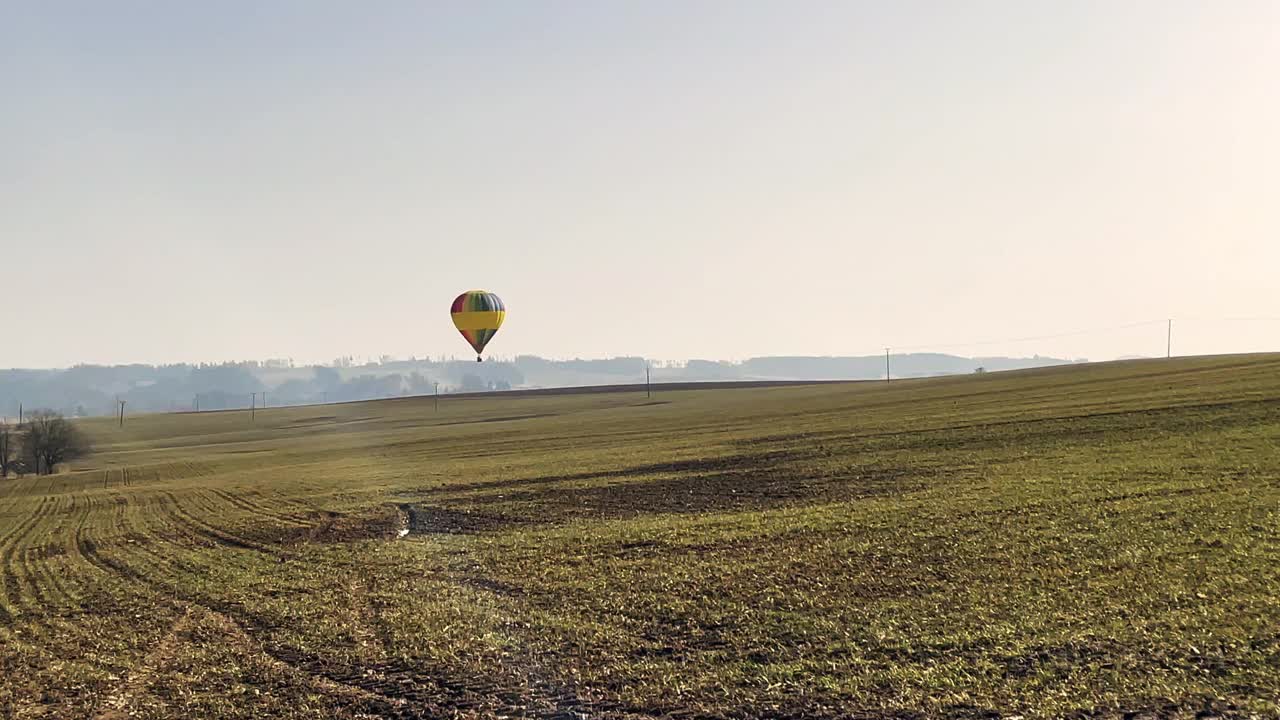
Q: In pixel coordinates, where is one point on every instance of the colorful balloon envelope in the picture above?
(478, 314)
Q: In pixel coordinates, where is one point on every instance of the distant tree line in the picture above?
(96, 389)
(39, 444)
(89, 390)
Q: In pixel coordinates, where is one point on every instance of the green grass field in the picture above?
(1086, 541)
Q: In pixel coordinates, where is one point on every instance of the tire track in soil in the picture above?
(206, 502)
(299, 507)
(77, 539)
(150, 533)
(55, 625)
(10, 508)
(159, 527)
(351, 696)
(395, 705)
(88, 549)
(533, 693)
(213, 503)
(212, 533)
(367, 611)
(255, 508)
(12, 585)
(20, 526)
(48, 582)
(137, 680)
(394, 689)
(27, 562)
(71, 544)
(161, 531)
(348, 697)
(77, 515)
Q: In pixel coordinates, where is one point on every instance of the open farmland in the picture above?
(1089, 540)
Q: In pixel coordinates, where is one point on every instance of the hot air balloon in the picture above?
(478, 314)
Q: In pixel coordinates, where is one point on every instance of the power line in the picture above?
(1235, 319)
(1031, 337)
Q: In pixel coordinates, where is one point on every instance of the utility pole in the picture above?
(1168, 341)
(122, 402)
(264, 399)
(647, 392)
(437, 384)
(886, 366)
(19, 413)
(253, 406)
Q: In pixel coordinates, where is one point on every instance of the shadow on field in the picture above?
(735, 482)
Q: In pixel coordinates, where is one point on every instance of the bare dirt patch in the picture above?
(727, 490)
(381, 523)
(693, 466)
(737, 482)
(427, 519)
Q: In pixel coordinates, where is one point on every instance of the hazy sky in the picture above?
(219, 180)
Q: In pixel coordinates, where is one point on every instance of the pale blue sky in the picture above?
(199, 181)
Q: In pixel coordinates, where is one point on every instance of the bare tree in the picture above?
(8, 449)
(51, 440)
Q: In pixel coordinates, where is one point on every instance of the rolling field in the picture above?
(1084, 541)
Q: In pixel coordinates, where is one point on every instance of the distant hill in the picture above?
(94, 389)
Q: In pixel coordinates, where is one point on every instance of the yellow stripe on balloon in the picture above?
(479, 320)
